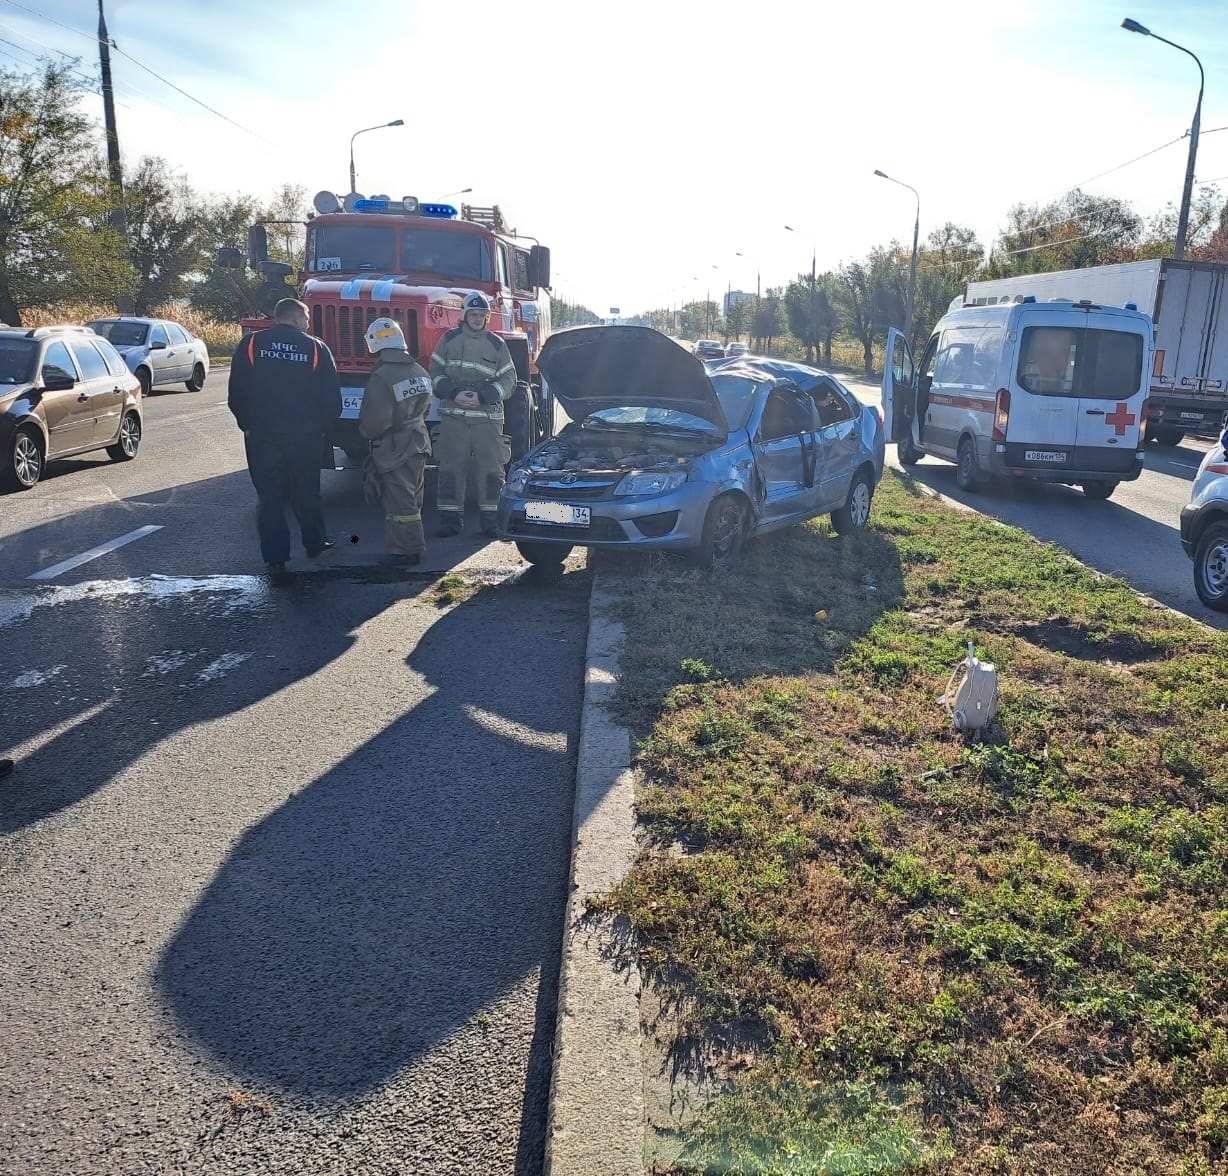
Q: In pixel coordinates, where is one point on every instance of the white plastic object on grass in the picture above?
(971, 702)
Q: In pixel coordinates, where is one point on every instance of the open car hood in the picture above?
(593, 368)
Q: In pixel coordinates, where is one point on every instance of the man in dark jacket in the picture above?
(285, 395)
(393, 419)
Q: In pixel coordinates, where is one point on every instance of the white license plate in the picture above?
(557, 512)
(351, 403)
(1191, 416)
(1053, 455)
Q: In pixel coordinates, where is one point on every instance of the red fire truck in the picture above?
(414, 262)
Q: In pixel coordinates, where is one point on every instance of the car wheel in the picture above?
(197, 382)
(543, 553)
(1211, 566)
(143, 375)
(967, 473)
(26, 460)
(908, 453)
(724, 534)
(129, 440)
(1165, 435)
(855, 513)
(1099, 490)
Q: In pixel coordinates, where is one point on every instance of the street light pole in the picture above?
(1183, 218)
(912, 269)
(396, 122)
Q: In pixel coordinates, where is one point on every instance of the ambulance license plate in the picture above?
(558, 513)
(1191, 416)
(1055, 456)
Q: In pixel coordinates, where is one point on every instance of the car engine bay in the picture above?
(593, 455)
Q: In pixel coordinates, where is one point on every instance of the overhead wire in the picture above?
(141, 65)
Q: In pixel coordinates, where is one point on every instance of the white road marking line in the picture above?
(93, 553)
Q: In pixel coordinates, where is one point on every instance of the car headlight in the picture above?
(650, 482)
(517, 480)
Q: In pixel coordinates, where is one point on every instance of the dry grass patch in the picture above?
(943, 956)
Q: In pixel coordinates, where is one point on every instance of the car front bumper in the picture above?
(673, 521)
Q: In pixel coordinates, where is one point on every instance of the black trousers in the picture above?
(285, 467)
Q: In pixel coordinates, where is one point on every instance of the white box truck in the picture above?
(1188, 303)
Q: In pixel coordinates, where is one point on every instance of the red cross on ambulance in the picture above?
(1120, 418)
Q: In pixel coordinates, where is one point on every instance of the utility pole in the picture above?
(118, 216)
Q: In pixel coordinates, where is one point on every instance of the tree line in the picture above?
(861, 299)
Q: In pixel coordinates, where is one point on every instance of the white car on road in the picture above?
(157, 351)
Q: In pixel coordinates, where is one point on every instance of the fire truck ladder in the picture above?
(490, 218)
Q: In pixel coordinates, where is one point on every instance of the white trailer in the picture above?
(1187, 301)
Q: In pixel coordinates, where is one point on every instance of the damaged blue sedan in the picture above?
(664, 454)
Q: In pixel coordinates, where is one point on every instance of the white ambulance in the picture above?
(1046, 391)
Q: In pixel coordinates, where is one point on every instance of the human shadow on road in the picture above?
(415, 883)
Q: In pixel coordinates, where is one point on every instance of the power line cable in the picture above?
(179, 89)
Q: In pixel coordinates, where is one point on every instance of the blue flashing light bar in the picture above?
(445, 211)
(370, 205)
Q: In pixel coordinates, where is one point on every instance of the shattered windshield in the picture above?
(737, 395)
(640, 416)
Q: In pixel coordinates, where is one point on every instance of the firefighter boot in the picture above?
(490, 524)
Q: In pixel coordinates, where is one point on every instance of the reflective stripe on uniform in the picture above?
(467, 412)
(413, 518)
(451, 509)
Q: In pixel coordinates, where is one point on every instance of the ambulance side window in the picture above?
(985, 356)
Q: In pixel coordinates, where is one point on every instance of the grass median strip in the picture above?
(901, 950)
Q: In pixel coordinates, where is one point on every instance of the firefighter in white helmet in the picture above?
(393, 420)
(473, 374)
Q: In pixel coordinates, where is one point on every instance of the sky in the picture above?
(660, 149)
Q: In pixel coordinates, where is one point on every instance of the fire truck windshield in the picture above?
(352, 247)
(449, 254)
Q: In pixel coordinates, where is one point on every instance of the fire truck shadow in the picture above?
(375, 929)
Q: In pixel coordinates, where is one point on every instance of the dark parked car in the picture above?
(665, 454)
(709, 349)
(157, 351)
(63, 390)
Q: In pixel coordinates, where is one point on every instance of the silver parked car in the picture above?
(157, 351)
(663, 454)
(1204, 527)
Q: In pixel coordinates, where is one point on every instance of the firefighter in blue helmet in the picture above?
(472, 374)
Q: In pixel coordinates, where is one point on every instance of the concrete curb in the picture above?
(595, 1123)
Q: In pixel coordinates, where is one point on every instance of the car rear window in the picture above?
(1081, 362)
(120, 334)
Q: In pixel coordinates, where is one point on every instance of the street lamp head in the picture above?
(397, 122)
(881, 173)
(1134, 27)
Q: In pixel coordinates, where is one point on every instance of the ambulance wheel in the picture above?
(908, 453)
(543, 553)
(967, 472)
(1099, 490)
(1211, 567)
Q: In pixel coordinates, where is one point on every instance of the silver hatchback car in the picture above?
(664, 454)
(157, 351)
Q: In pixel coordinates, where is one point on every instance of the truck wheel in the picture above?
(518, 421)
(907, 452)
(1100, 490)
(1165, 435)
(1211, 566)
(543, 553)
(967, 473)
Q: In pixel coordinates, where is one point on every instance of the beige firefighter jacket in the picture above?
(471, 359)
(394, 407)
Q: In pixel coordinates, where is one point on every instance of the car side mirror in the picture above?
(157, 346)
(57, 380)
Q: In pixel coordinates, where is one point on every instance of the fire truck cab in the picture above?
(372, 257)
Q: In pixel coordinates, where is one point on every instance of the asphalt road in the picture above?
(1136, 534)
(282, 867)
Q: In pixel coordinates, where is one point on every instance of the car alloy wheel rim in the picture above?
(26, 460)
(861, 504)
(129, 435)
(1215, 569)
(725, 533)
